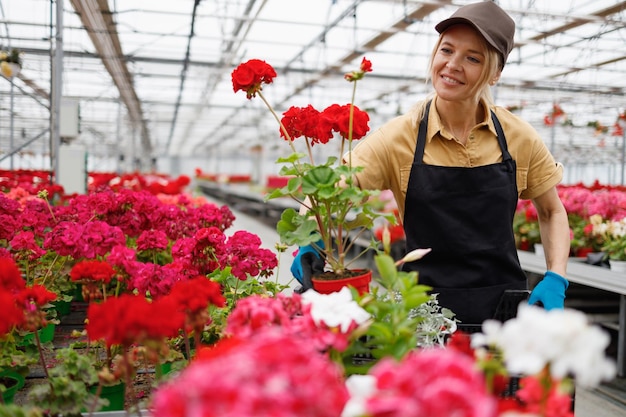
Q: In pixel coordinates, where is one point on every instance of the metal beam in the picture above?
(97, 19)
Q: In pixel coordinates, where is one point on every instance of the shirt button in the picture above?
(471, 136)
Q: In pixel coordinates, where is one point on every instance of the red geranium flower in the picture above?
(129, 319)
(10, 275)
(197, 294)
(92, 270)
(36, 296)
(12, 315)
(250, 75)
(194, 297)
(339, 117)
(307, 122)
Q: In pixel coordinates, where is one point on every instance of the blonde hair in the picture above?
(482, 90)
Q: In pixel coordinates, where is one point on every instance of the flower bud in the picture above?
(415, 255)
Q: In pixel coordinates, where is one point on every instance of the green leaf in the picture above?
(361, 220)
(318, 179)
(291, 159)
(296, 229)
(386, 269)
(293, 185)
(415, 299)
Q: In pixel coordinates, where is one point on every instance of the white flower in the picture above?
(337, 309)
(562, 339)
(360, 387)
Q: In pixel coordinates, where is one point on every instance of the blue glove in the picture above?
(307, 263)
(550, 291)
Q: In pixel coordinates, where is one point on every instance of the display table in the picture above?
(591, 276)
(241, 197)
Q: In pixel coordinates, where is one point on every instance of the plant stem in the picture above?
(49, 271)
(196, 339)
(187, 348)
(280, 124)
(129, 391)
(92, 408)
(350, 125)
(41, 358)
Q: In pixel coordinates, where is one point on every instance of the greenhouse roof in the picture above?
(155, 76)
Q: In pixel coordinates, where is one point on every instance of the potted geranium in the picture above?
(334, 210)
(613, 233)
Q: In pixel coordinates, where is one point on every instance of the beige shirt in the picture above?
(387, 153)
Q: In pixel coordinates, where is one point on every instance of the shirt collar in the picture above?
(436, 127)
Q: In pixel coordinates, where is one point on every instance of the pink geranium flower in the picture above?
(433, 383)
(271, 374)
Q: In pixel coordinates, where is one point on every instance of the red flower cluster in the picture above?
(22, 305)
(194, 296)
(130, 319)
(32, 181)
(92, 270)
(10, 276)
(319, 126)
(153, 183)
(250, 76)
(12, 315)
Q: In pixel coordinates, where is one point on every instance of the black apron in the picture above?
(465, 215)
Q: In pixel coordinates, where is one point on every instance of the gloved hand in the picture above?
(550, 291)
(307, 263)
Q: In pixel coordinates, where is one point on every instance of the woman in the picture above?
(457, 165)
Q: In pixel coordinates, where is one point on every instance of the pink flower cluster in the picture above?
(117, 227)
(585, 202)
(255, 314)
(431, 382)
(271, 374)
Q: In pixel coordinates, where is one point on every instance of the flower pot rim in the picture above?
(353, 274)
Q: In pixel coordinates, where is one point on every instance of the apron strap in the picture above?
(418, 157)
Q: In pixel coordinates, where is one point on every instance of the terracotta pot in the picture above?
(360, 282)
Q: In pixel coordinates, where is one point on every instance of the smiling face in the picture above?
(462, 64)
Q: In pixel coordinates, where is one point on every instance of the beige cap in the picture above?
(490, 20)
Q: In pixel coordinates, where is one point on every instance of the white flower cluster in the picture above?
(337, 309)
(562, 340)
(615, 229)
